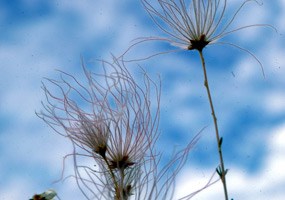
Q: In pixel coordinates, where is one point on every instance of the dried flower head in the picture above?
(193, 24)
(93, 133)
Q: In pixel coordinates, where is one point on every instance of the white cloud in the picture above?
(16, 188)
(275, 102)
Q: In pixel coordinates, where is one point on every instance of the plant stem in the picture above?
(113, 178)
(221, 170)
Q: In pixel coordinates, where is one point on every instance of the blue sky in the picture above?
(38, 37)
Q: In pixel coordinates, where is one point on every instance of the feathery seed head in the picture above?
(93, 134)
(121, 162)
(190, 24)
(193, 24)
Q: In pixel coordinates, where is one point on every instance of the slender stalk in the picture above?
(221, 169)
(121, 191)
(113, 178)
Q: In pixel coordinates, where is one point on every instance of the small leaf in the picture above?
(226, 171)
(219, 171)
(220, 141)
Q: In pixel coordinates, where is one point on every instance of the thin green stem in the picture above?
(113, 177)
(221, 169)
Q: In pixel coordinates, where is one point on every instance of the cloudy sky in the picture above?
(37, 37)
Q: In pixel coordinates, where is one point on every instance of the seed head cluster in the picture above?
(110, 120)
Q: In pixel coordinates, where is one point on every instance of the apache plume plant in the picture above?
(193, 25)
(113, 121)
